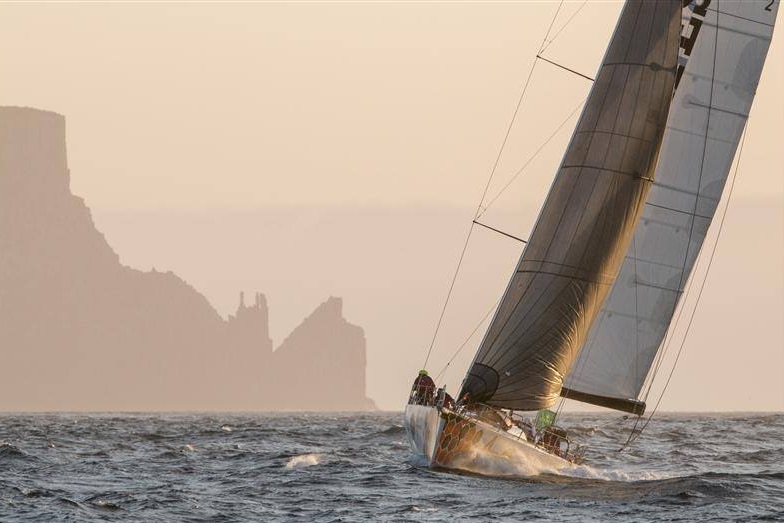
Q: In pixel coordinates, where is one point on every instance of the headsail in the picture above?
(588, 218)
(719, 75)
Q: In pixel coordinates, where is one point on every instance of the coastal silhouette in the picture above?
(81, 331)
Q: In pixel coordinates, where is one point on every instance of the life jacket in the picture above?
(424, 385)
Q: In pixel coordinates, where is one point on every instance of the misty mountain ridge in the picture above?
(81, 331)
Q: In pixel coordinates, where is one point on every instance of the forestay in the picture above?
(718, 74)
(588, 219)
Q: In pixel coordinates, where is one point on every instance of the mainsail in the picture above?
(588, 219)
(723, 49)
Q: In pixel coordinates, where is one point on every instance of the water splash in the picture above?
(512, 462)
(518, 461)
(303, 460)
(105, 505)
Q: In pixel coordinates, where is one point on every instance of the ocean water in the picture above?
(358, 467)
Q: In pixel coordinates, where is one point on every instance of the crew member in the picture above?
(423, 389)
(465, 400)
(443, 399)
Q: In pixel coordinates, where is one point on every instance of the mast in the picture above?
(588, 219)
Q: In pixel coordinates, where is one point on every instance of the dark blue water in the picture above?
(357, 467)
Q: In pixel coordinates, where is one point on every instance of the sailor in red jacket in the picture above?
(423, 389)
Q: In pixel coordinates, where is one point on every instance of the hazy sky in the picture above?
(186, 109)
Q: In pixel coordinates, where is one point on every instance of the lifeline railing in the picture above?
(552, 439)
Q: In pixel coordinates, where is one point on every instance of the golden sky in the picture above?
(238, 107)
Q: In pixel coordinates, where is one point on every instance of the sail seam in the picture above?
(658, 206)
(569, 277)
(651, 65)
(718, 109)
(613, 133)
(660, 287)
(699, 135)
(736, 31)
(606, 170)
(684, 191)
(611, 313)
(651, 262)
(738, 17)
(663, 223)
(568, 265)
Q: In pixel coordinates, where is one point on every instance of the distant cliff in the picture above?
(80, 331)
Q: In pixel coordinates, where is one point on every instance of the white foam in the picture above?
(587, 472)
(513, 463)
(303, 460)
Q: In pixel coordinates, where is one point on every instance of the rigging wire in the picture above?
(636, 310)
(668, 342)
(670, 334)
(449, 294)
(544, 48)
(487, 186)
(702, 287)
(704, 152)
(529, 160)
(668, 337)
(462, 346)
(487, 207)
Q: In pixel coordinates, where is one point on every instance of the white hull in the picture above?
(450, 440)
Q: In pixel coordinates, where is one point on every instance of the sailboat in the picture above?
(593, 294)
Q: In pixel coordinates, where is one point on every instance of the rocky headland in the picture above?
(80, 331)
